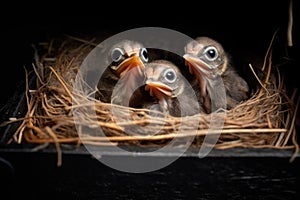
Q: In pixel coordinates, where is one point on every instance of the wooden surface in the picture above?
(232, 174)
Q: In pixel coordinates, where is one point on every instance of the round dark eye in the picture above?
(144, 55)
(211, 53)
(117, 54)
(170, 75)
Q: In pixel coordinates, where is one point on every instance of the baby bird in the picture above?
(169, 87)
(210, 65)
(125, 73)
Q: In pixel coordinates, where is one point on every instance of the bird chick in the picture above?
(168, 86)
(125, 73)
(211, 66)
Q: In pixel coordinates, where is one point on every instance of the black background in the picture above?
(245, 28)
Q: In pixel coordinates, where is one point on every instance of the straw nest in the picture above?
(266, 120)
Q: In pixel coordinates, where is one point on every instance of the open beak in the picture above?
(158, 89)
(196, 65)
(133, 62)
(200, 69)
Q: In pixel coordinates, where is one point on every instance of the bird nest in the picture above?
(265, 120)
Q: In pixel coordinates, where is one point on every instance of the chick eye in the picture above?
(170, 75)
(117, 54)
(144, 55)
(211, 53)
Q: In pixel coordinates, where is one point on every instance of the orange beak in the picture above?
(196, 65)
(200, 69)
(133, 62)
(158, 89)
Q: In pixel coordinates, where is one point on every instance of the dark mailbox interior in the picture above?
(245, 29)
